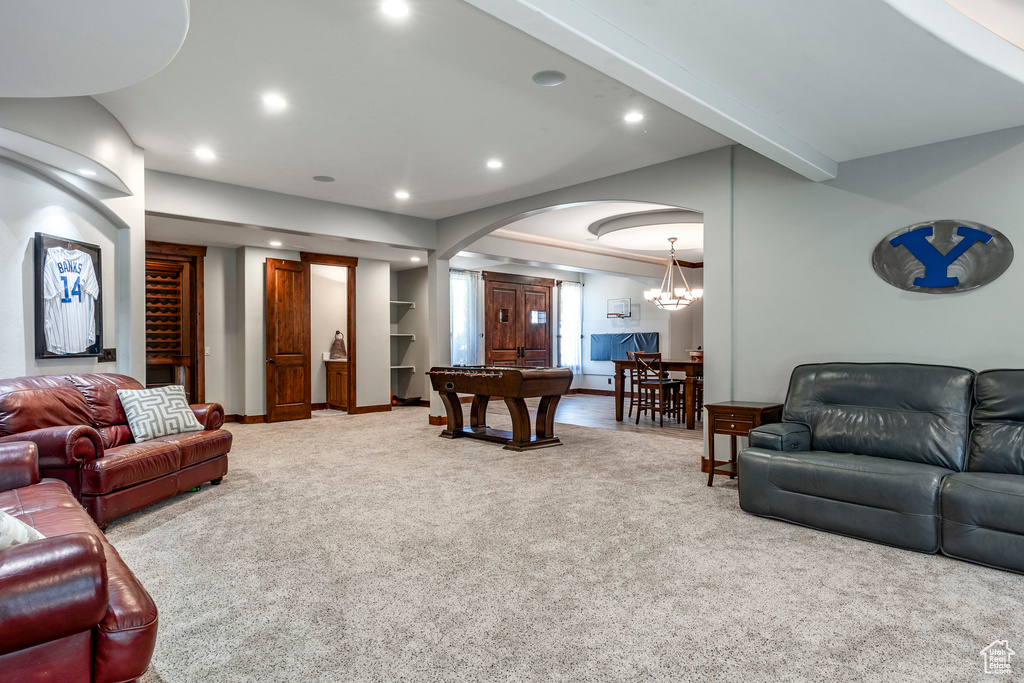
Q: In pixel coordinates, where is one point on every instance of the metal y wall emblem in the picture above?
(942, 256)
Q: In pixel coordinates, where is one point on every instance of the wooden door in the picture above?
(174, 318)
(535, 326)
(517, 327)
(289, 376)
(503, 311)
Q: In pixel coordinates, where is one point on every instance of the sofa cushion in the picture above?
(13, 531)
(127, 634)
(129, 465)
(878, 499)
(197, 447)
(100, 392)
(162, 411)
(982, 520)
(28, 403)
(997, 442)
(902, 411)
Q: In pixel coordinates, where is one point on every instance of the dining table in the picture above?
(693, 369)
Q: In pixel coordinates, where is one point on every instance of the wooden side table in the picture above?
(735, 418)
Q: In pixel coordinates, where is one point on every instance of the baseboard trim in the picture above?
(319, 406)
(250, 419)
(359, 410)
(438, 420)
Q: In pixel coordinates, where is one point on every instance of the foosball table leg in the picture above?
(454, 411)
(520, 424)
(546, 416)
(478, 411)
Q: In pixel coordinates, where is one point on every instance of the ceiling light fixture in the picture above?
(494, 163)
(401, 194)
(415, 258)
(86, 172)
(668, 296)
(274, 102)
(394, 8)
(633, 117)
(549, 79)
(205, 153)
(323, 179)
(275, 243)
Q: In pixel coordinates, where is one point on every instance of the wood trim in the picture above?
(438, 420)
(318, 406)
(189, 251)
(250, 419)
(489, 276)
(383, 408)
(328, 259)
(351, 329)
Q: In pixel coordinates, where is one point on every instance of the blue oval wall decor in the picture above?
(942, 256)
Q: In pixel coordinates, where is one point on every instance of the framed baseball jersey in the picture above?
(69, 311)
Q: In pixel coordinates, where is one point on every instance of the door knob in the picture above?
(271, 360)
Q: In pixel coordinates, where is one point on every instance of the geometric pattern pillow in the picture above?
(13, 531)
(158, 412)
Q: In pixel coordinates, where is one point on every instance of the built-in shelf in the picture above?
(411, 368)
(410, 304)
(412, 337)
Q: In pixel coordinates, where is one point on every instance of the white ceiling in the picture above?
(804, 82)
(60, 48)
(419, 104)
(566, 227)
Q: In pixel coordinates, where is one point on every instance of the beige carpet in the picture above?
(367, 548)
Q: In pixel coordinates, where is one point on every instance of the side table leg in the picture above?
(711, 456)
(732, 475)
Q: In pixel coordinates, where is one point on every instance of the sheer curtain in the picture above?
(467, 303)
(570, 326)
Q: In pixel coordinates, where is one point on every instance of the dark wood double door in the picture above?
(518, 320)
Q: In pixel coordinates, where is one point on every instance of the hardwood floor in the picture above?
(587, 410)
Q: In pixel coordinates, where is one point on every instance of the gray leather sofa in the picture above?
(922, 457)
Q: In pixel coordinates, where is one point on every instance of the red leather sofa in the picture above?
(84, 440)
(70, 609)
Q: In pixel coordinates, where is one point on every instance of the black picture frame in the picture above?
(43, 242)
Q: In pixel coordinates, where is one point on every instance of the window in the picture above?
(466, 317)
(570, 326)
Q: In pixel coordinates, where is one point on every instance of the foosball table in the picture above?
(514, 384)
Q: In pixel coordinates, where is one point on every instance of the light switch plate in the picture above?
(207, 350)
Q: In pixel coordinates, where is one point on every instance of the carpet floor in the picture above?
(368, 549)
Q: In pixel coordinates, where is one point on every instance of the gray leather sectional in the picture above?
(923, 457)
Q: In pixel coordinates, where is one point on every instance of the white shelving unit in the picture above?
(400, 342)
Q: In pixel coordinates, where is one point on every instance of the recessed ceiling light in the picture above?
(205, 153)
(274, 102)
(494, 163)
(394, 8)
(549, 79)
(275, 243)
(86, 172)
(633, 117)
(401, 194)
(415, 258)
(323, 179)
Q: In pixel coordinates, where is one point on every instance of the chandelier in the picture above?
(668, 296)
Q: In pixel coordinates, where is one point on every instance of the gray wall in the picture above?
(804, 287)
(223, 365)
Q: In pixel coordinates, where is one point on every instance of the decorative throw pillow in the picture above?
(13, 531)
(162, 411)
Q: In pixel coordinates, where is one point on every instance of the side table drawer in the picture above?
(732, 424)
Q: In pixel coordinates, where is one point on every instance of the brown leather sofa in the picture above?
(70, 609)
(84, 440)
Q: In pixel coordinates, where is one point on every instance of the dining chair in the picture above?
(657, 393)
(634, 389)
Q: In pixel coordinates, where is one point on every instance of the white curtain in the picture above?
(570, 326)
(467, 302)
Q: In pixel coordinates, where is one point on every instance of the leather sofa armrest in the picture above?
(781, 436)
(51, 588)
(19, 465)
(210, 414)
(63, 446)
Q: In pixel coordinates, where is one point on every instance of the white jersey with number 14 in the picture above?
(70, 291)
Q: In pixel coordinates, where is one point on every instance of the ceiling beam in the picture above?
(586, 36)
